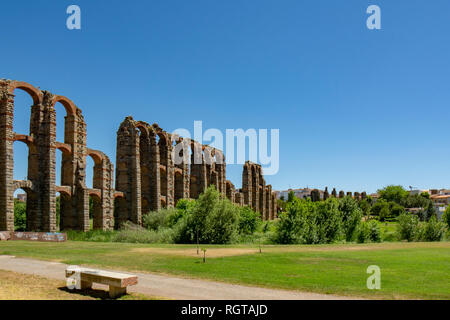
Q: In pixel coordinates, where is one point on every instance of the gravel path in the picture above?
(169, 286)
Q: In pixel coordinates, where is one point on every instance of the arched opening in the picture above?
(21, 222)
(90, 172)
(65, 209)
(61, 119)
(23, 103)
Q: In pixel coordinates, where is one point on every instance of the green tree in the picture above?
(248, 220)
(291, 196)
(20, 215)
(446, 216)
(393, 193)
(351, 215)
(408, 227)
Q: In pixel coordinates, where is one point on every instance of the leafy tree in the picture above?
(291, 196)
(434, 230)
(351, 216)
(408, 227)
(393, 193)
(446, 216)
(248, 220)
(395, 210)
(20, 215)
(213, 219)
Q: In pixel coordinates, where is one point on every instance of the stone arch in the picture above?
(68, 104)
(31, 213)
(35, 93)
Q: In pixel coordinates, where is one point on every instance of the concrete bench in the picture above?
(117, 282)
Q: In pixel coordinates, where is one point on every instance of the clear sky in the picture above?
(357, 109)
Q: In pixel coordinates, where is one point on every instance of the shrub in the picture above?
(329, 221)
(363, 233)
(132, 233)
(351, 216)
(374, 231)
(434, 230)
(446, 216)
(408, 227)
(164, 218)
(91, 235)
(213, 218)
(248, 220)
(20, 215)
(293, 226)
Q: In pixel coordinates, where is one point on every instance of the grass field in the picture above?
(18, 286)
(408, 270)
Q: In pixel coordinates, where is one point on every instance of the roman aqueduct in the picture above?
(148, 174)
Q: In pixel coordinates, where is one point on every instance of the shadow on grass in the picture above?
(94, 293)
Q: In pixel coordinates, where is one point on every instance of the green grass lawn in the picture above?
(408, 270)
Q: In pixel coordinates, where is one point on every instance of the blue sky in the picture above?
(357, 109)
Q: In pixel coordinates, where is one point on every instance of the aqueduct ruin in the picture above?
(154, 169)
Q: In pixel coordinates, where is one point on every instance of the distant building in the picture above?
(441, 201)
(22, 197)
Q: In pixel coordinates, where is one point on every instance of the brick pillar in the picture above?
(128, 173)
(198, 171)
(247, 184)
(6, 159)
(103, 215)
(255, 188)
(47, 163)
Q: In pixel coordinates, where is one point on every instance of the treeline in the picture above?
(213, 219)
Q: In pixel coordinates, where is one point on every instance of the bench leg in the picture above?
(115, 292)
(86, 285)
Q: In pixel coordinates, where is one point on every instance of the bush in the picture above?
(408, 227)
(132, 233)
(316, 222)
(248, 220)
(351, 216)
(91, 235)
(20, 215)
(369, 231)
(446, 217)
(433, 231)
(374, 231)
(163, 218)
(213, 219)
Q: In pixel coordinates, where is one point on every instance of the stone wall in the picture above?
(40, 186)
(154, 169)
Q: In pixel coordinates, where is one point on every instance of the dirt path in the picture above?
(168, 286)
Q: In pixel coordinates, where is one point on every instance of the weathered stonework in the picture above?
(40, 186)
(154, 169)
